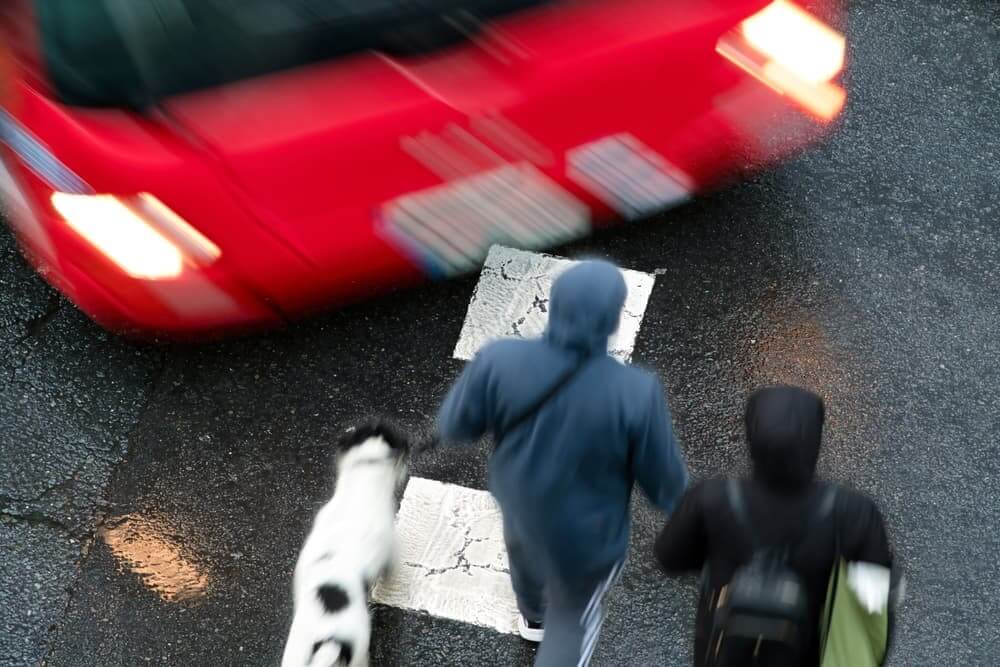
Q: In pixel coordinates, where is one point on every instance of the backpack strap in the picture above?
(826, 507)
(828, 504)
(824, 510)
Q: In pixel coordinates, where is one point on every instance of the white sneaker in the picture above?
(532, 632)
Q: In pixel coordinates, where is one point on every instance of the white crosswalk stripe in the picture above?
(452, 561)
(511, 299)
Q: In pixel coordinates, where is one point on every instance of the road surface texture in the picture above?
(152, 499)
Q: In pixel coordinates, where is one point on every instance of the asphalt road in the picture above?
(866, 269)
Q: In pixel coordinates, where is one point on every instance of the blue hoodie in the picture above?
(564, 477)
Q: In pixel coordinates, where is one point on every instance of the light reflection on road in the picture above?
(794, 347)
(146, 547)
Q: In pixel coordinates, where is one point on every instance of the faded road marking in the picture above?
(628, 176)
(511, 299)
(450, 228)
(452, 561)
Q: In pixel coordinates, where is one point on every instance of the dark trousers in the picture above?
(571, 610)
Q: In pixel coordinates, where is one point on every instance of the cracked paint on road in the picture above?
(511, 300)
(452, 560)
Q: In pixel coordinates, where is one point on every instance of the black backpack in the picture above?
(762, 615)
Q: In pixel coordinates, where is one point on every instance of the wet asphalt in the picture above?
(866, 269)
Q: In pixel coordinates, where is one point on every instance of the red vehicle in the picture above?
(180, 168)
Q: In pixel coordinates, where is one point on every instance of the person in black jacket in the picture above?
(784, 426)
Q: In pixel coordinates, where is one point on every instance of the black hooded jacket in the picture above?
(784, 428)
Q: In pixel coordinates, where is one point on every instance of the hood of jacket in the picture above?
(784, 430)
(585, 305)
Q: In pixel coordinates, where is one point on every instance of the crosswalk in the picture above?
(452, 562)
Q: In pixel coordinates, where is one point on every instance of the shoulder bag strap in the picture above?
(828, 507)
(737, 503)
(501, 432)
(827, 616)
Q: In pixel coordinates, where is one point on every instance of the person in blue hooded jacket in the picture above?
(574, 429)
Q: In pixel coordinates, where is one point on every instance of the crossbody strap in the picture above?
(501, 432)
(737, 503)
(838, 554)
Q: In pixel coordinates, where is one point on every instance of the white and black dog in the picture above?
(351, 544)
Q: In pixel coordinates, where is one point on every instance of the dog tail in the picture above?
(325, 653)
(302, 651)
(331, 653)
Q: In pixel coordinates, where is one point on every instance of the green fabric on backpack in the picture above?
(850, 636)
